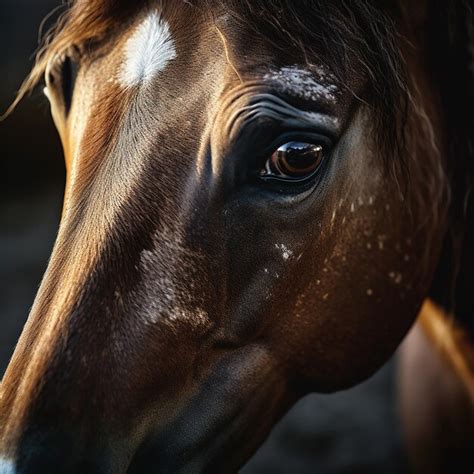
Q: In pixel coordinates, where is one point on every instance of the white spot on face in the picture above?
(302, 83)
(396, 277)
(286, 253)
(6, 467)
(147, 52)
(167, 294)
(370, 292)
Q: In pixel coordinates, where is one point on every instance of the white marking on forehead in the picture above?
(6, 467)
(148, 51)
(302, 83)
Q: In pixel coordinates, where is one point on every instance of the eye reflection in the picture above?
(294, 161)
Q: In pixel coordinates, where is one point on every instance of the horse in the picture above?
(260, 198)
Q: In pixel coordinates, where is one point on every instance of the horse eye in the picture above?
(294, 161)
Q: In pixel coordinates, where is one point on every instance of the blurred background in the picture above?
(355, 431)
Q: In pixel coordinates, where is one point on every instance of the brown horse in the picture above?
(260, 196)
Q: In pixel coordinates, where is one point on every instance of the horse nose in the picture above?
(59, 453)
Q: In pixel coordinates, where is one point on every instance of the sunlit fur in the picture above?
(178, 311)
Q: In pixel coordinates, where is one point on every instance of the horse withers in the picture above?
(259, 196)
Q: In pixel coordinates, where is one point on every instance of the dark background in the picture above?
(355, 431)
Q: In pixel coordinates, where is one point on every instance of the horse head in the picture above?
(254, 208)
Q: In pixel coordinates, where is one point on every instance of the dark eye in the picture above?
(294, 161)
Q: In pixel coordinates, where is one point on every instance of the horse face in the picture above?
(230, 240)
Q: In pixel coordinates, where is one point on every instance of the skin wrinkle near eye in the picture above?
(251, 101)
(147, 52)
(269, 106)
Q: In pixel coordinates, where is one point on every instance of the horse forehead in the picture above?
(151, 46)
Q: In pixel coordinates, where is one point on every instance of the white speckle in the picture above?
(369, 245)
(265, 270)
(352, 207)
(303, 83)
(371, 200)
(286, 253)
(166, 292)
(326, 296)
(7, 467)
(406, 258)
(360, 201)
(299, 256)
(318, 282)
(147, 52)
(370, 292)
(381, 241)
(396, 277)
